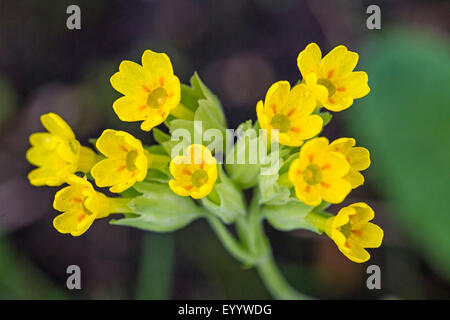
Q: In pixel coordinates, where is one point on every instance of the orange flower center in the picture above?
(327, 83)
(281, 122)
(131, 160)
(199, 178)
(157, 98)
(312, 174)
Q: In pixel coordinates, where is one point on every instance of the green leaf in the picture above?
(159, 209)
(198, 84)
(157, 176)
(232, 202)
(289, 216)
(404, 122)
(210, 115)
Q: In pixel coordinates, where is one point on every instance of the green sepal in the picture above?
(326, 117)
(198, 94)
(244, 175)
(273, 193)
(231, 201)
(290, 216)
(159, 209)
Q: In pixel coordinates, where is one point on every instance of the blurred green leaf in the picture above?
(19, 279)
(404, 122)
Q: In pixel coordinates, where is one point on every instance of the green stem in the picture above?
(255, 251)
(230, 243)
(275, 282)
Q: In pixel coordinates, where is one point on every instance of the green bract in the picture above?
(159, 209)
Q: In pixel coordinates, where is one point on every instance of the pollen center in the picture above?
(131, 160)
(157, 98)
(199, 178)
(329, 85)
(281, 122)
(312, 174)
(346, 229)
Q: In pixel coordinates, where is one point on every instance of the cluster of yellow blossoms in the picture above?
(323, 171)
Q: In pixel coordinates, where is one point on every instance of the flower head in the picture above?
(56, 153)
(319, 174)
(335, 73)
(125, 164)
(357, 157)
(80, 205)
(352, 232)
(195, 173)
(289, 111)
(150, 91)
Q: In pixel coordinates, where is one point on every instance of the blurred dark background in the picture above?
(239, 48)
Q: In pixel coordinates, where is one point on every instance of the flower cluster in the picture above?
(174, 182)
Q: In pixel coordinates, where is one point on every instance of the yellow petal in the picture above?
(69, 150)
(154, 119)
(356, 84)
(359, 158)
(57, 126)
(370, 235)
(342, 145)
(309, 195)
(314, 148)
(39, 156)
(355, 178)
(277, 97)
(364, 213)
(308, 127)
(335, 190)
(262, 118)
(69, 199)
(356, 253)
(319, 91)
(309, 59)
(157, 63)
(301, 102)
(112, 144)
(45, 177)
(75, 223)
(338, 63)
(129, 108)
(110, 172)
(44, 140)
(334, 165)
(338, 102)
(179, 188)
(131, 80)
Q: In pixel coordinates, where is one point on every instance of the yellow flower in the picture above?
(335, 73)
(126, 161)
(57, 153)
(352, 232)
(289, 111)
(150, 91)
(80, 205)
(357, 157)
(319, 174)
(195, 172)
